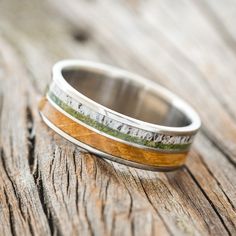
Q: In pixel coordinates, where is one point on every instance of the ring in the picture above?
(119, 115)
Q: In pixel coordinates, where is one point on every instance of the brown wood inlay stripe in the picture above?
(107, 145)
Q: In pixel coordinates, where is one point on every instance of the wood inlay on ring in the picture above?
(110, 146)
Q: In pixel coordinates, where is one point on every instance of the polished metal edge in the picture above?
(103, 154)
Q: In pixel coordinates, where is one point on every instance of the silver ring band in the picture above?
(122, 107)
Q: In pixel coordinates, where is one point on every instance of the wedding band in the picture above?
(119, 115)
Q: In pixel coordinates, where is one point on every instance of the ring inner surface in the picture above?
(126, 97)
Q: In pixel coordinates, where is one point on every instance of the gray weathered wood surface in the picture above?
(49, 186)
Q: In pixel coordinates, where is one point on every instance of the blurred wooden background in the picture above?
(49, 186)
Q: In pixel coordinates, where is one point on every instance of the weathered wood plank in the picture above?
(21, 210)
(67, 191)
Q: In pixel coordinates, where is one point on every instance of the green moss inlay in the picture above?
(87, 120)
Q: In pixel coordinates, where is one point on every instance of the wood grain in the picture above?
(49, 186)
(122, 151)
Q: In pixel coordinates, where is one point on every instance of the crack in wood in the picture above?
(143, 190)
(217, 181)
(31, 227)
(77, 182)
(17, 197)
(209, 200)
(89, 223)
(30, 137)
(1, 109)
(40, 188)
(11, 216)
(188, 198)
(156, 210)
